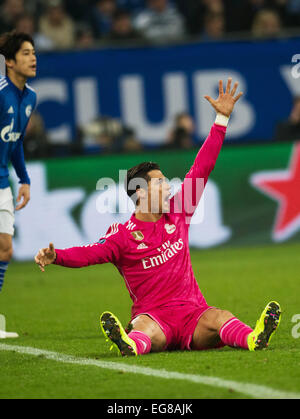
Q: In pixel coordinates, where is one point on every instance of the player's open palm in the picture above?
(45, 257)
(226, 100)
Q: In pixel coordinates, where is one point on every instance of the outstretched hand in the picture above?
(226, 101)
(45, 257)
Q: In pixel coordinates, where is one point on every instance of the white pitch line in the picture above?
(252, 390)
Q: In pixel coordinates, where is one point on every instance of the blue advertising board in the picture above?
(146, 87)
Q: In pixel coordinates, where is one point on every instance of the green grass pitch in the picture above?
(59, 311)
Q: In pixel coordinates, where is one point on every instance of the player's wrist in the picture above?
(222, 120)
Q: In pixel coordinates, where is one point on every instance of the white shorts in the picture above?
(7, 212)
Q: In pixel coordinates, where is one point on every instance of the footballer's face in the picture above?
(159, 192)
(24, 64)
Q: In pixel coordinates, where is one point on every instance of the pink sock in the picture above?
(235, 333)
(142, 341)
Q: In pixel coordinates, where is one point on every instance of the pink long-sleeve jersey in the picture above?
(154, 257)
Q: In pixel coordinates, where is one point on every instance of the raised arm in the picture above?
(186, 201)
(209, 152)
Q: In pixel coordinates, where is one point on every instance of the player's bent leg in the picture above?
(150, 328)
(144, 337)
(206, 334)
(219, 326)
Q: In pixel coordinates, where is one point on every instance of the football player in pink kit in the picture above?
(151, 252)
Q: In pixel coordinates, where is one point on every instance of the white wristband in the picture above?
(222, 120)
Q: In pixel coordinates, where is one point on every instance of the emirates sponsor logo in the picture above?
(167, 251)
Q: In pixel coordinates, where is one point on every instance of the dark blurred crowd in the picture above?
(69, 24)
(59, 24)
(107, 135)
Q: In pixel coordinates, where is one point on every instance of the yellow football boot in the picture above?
(265, 327)
(113, 330)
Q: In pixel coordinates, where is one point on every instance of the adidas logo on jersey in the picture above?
(10, 110)
(142, 246)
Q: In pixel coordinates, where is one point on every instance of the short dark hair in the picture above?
(140, 171)
(11, 43)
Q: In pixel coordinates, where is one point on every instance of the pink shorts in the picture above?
(178, 323)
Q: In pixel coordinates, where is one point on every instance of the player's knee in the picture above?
(222, 318)
(158, 339)
(146, 325)
(6, 253)
(215, 319)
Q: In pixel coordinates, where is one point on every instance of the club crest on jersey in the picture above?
(138, 235)
(170, 228)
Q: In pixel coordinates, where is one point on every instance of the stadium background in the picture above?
(121, 81)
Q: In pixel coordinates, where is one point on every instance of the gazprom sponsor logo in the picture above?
(166, 253)
(7, 134)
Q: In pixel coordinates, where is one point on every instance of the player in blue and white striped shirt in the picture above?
(17, 101)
